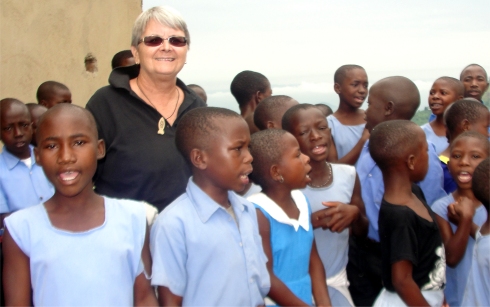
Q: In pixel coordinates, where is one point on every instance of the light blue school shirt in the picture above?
(457, 277)
(372, 186)
(21, 187)
(200, 254)
(440, 142)
(96, 267)
(344, 136)
(478, 287)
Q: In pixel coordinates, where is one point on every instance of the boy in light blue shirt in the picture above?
(22, 181)
(205, 245)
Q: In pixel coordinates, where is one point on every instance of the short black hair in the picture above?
(341, 72)
(480, 182)
(402, 92)
(119, 57)
(45, 90)
(32, 106)
(71, 108)
(7, 102)
(246, 84)
(456, 84)
(391, 140)
(268, 109)
(462, 109)
(198, 126)
(482, 139)
(326, 109)
(288, 116)
(462, 71)
(266, 148)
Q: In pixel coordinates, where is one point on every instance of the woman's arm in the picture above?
(279, 292)
(143, 291)
(16, 273)
(318, 279)
(405, 286)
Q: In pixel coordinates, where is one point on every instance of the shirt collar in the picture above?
(11, 161)
(206, 206)
(276, 212)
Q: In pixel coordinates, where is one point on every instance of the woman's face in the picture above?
(165, 59)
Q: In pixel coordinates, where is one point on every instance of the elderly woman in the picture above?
(137, 114)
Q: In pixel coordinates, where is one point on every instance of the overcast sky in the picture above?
(298, 45)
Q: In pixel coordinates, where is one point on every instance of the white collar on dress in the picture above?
(279, 215)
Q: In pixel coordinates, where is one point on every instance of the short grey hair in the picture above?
(164, 15)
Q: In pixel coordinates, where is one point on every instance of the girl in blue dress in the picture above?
(283, 215)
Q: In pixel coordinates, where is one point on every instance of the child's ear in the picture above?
(43, 103)
(411, 162)
(100, 149)
(336, 88)
(270, 124)
(136, 54)
(465, 124)
(389, 108)
(460, 97)
(275, 173)
(199, 158)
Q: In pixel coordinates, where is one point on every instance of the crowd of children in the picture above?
(288, 204)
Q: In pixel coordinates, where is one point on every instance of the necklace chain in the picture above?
(176, 103)
(326, 182)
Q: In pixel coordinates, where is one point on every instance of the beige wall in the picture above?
(44, 40)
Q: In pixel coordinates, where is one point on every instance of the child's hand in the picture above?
(341, 215)
(459, 210)
(320, 220)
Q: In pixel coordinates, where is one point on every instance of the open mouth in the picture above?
(318, 150)
(68, 176)
(464, 177)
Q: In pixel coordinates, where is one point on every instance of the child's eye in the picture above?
(50, 146)
(476, 156)
(79, 143)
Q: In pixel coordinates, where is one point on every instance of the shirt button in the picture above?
(241, 244)
(41, 198)
(251, 281)
(370, 175)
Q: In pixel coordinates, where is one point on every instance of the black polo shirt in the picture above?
(139, 163)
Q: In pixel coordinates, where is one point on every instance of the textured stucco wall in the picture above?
(44, 40)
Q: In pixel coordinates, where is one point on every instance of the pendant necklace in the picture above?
(326, 182)
(161, 122)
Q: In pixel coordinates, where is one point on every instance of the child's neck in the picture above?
(218, 194)
(320, 173)
(22, 155)
(398, 188)
(281, 195)
(74, 204)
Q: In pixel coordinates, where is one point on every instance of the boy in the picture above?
(199, 91)
(249, 88)
(50, 93)
(413, 262)
(54, 250)
(324, 108)
(36, 110)
(205, 245)
(269, 112)
(389, 99)
(478, 287)
(475, 81)
(22, 181)
(122, 58)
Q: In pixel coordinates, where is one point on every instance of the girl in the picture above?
(283, 214)
(466, 152)
(339, 185)
(347, 123)
(77, 248)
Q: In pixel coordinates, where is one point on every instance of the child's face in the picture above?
(229, 161)
(294, 165)
(375, 112)
(466, 154)
(35, 115)
(354, 88)
(312, 133)
(68, 151)
(475, 82)
(16, 131)
(422, 158)
(441, 95)
(58, 96)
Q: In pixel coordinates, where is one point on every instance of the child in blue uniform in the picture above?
(347, 123)
(413, 263)
(335, 197)
(77, 248)
(283, 214)
(206, 247)
(467, 151)
(478, 287)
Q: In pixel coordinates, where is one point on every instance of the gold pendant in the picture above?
(161, 126)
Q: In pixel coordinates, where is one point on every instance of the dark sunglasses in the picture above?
(154, 41)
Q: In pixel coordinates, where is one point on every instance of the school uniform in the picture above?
(458, 276)
(203, 254)
(96, 267)
(344, 136)
(478, 287)
(21, 186)
(440, 142)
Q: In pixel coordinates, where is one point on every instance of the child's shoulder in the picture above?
(27, 215)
